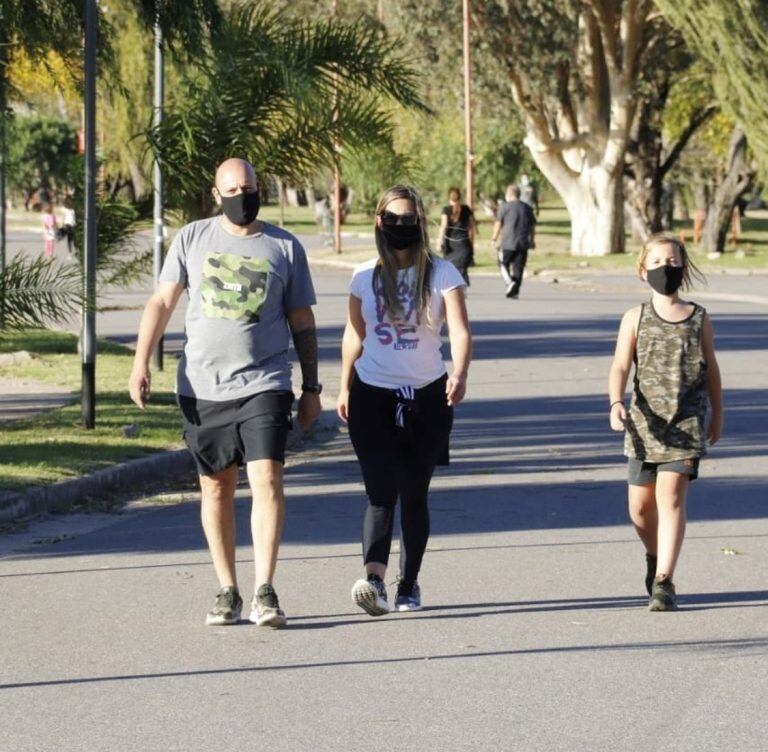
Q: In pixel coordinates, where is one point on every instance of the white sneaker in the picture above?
(371, 596)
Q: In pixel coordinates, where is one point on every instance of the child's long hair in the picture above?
(690, 270)
(385, 273)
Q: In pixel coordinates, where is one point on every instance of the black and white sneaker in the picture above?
(371, 595)
(408, 596)
(227, 608)
(663, 596)
(265, 609)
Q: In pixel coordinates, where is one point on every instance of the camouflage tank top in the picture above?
(669, 404)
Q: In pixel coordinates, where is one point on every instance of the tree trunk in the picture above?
(137, 179)
(736, 182)
(595, 204)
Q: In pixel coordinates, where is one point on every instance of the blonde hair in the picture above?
(690, 270)
(385, 273)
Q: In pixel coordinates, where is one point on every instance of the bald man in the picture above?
(249, 287)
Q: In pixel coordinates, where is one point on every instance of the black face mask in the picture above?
(401, 237)
(666, 280)
(242, 208)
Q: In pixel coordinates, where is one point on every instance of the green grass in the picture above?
(54, 446)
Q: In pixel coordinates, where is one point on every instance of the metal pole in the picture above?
(468, 106)
(88, 339)
(4, 47)
(157, 358)
(336, 169)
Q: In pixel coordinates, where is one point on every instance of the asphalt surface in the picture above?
(535, 634)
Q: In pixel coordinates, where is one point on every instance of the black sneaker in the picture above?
(663, 597)
(408, 596)
(371, 595)
(227, 609)
(650, 574)
(265, 608)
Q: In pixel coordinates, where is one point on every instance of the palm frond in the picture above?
(39, 291)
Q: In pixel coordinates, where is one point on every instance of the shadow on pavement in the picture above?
(753, 646)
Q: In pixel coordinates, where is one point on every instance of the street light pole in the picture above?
(468, 106)
(157, 257)
(88, 338)
(336, 166)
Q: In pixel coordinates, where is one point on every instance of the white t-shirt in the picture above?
(406, 352)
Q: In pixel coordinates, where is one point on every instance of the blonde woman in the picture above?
(395, 394)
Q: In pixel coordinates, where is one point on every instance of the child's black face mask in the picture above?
(666, 280)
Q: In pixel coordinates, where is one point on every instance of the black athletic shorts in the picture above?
(220, 434)
(641, 473)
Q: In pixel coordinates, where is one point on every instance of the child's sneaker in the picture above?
(371, 595)
(663, 597)
(408, 596)
(265, 608)
(227, 608)
(650, 574)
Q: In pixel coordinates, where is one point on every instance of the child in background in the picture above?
(670, 341)
(49, 230)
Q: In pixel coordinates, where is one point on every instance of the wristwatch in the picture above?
(314, 388)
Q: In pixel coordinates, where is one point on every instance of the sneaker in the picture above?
(371, 595)
(227, 609)
(650, 575)
(265, 608)
(408, 596)
(663, 597)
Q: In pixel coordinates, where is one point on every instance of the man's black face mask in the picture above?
(242, 208)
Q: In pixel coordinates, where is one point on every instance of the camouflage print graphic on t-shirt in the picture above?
(233, 287)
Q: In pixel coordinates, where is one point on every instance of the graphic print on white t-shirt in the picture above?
(400, 334)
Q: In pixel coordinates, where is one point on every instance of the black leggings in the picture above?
(398, 461)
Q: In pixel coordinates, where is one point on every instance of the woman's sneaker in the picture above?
(227, 608)
(408, 596)
(265, 609)
(371, 595)
(663, 597)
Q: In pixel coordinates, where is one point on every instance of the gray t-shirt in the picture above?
(517, 223)
(240, 291)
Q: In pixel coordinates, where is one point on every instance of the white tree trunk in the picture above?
(595, 204)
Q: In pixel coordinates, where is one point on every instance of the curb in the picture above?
(134, 475)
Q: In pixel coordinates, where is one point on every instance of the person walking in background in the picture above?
(68, 225)
(529, 194)
(671, 343)
(395, 393)
(48, 219)
(249, 286)
(456, 239)
(513, 236)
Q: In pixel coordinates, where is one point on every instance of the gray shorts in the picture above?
(641, 473)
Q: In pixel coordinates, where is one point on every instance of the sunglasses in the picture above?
(390, 219)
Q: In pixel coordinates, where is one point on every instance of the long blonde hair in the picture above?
(385, 273)
(690, 270)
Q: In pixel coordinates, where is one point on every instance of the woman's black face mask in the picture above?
(666, 280)
(401, 230)
(242, 208)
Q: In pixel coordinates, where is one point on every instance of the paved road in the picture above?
(535, 636)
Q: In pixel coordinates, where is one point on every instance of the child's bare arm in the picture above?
(714, 383)
(621, 366)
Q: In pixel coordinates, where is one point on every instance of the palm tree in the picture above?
(282, 93)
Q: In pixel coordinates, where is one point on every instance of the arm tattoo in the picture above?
(305, 342)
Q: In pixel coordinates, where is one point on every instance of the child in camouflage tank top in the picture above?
(670, 342)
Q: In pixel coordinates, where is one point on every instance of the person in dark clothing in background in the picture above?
(513, 237)
(456, 239)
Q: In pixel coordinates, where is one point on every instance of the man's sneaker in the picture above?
(371, 595)
(227, 609)
(265, 608)
(408, 596)
(650, 574)
(663, 597)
